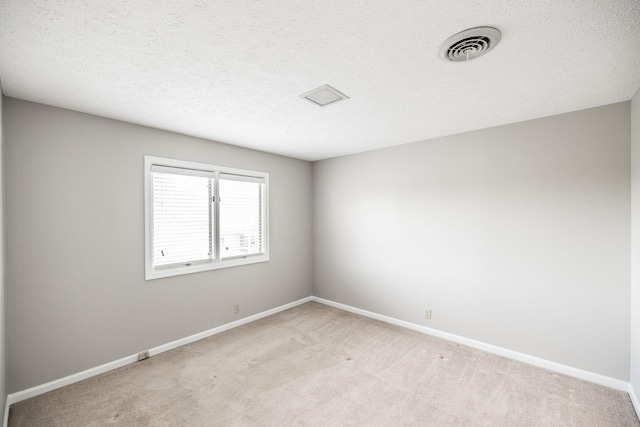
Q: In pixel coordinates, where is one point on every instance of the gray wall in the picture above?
(75, 243)
(3, 351)
(516, 236)
(635, 244)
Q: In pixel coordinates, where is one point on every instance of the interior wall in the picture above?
(635, 246)
(3, 351)
(75, 243)
(516, 236)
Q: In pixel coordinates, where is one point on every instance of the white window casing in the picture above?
(201, 217)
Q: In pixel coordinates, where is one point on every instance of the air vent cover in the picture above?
(469, 44)
(324, 95)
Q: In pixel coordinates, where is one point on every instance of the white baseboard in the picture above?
(634, 399)
(5, 422)
(52, 385)
(542, 363)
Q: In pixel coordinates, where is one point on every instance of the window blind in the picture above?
(241, 216)
(182, 227)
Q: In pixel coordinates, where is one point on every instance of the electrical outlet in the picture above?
(427, 314)
(236, 308)
(143, 355)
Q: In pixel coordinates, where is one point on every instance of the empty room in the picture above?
(372, 213)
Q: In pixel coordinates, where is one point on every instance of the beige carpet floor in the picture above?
(315, 365)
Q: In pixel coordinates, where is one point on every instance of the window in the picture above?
(202, 217)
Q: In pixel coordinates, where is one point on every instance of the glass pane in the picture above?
(241, 231)
(182, 219)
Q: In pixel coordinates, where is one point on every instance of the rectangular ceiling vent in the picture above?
(324, 95)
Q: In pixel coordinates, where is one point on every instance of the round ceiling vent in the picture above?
(469, 44)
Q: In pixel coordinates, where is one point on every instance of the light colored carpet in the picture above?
(315, 365)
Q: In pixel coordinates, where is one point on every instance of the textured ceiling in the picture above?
(232, 70)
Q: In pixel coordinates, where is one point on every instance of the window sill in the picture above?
(152, 274)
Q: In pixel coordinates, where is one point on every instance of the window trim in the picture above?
(218, 262)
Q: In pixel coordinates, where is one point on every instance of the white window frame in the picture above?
(217, 263)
